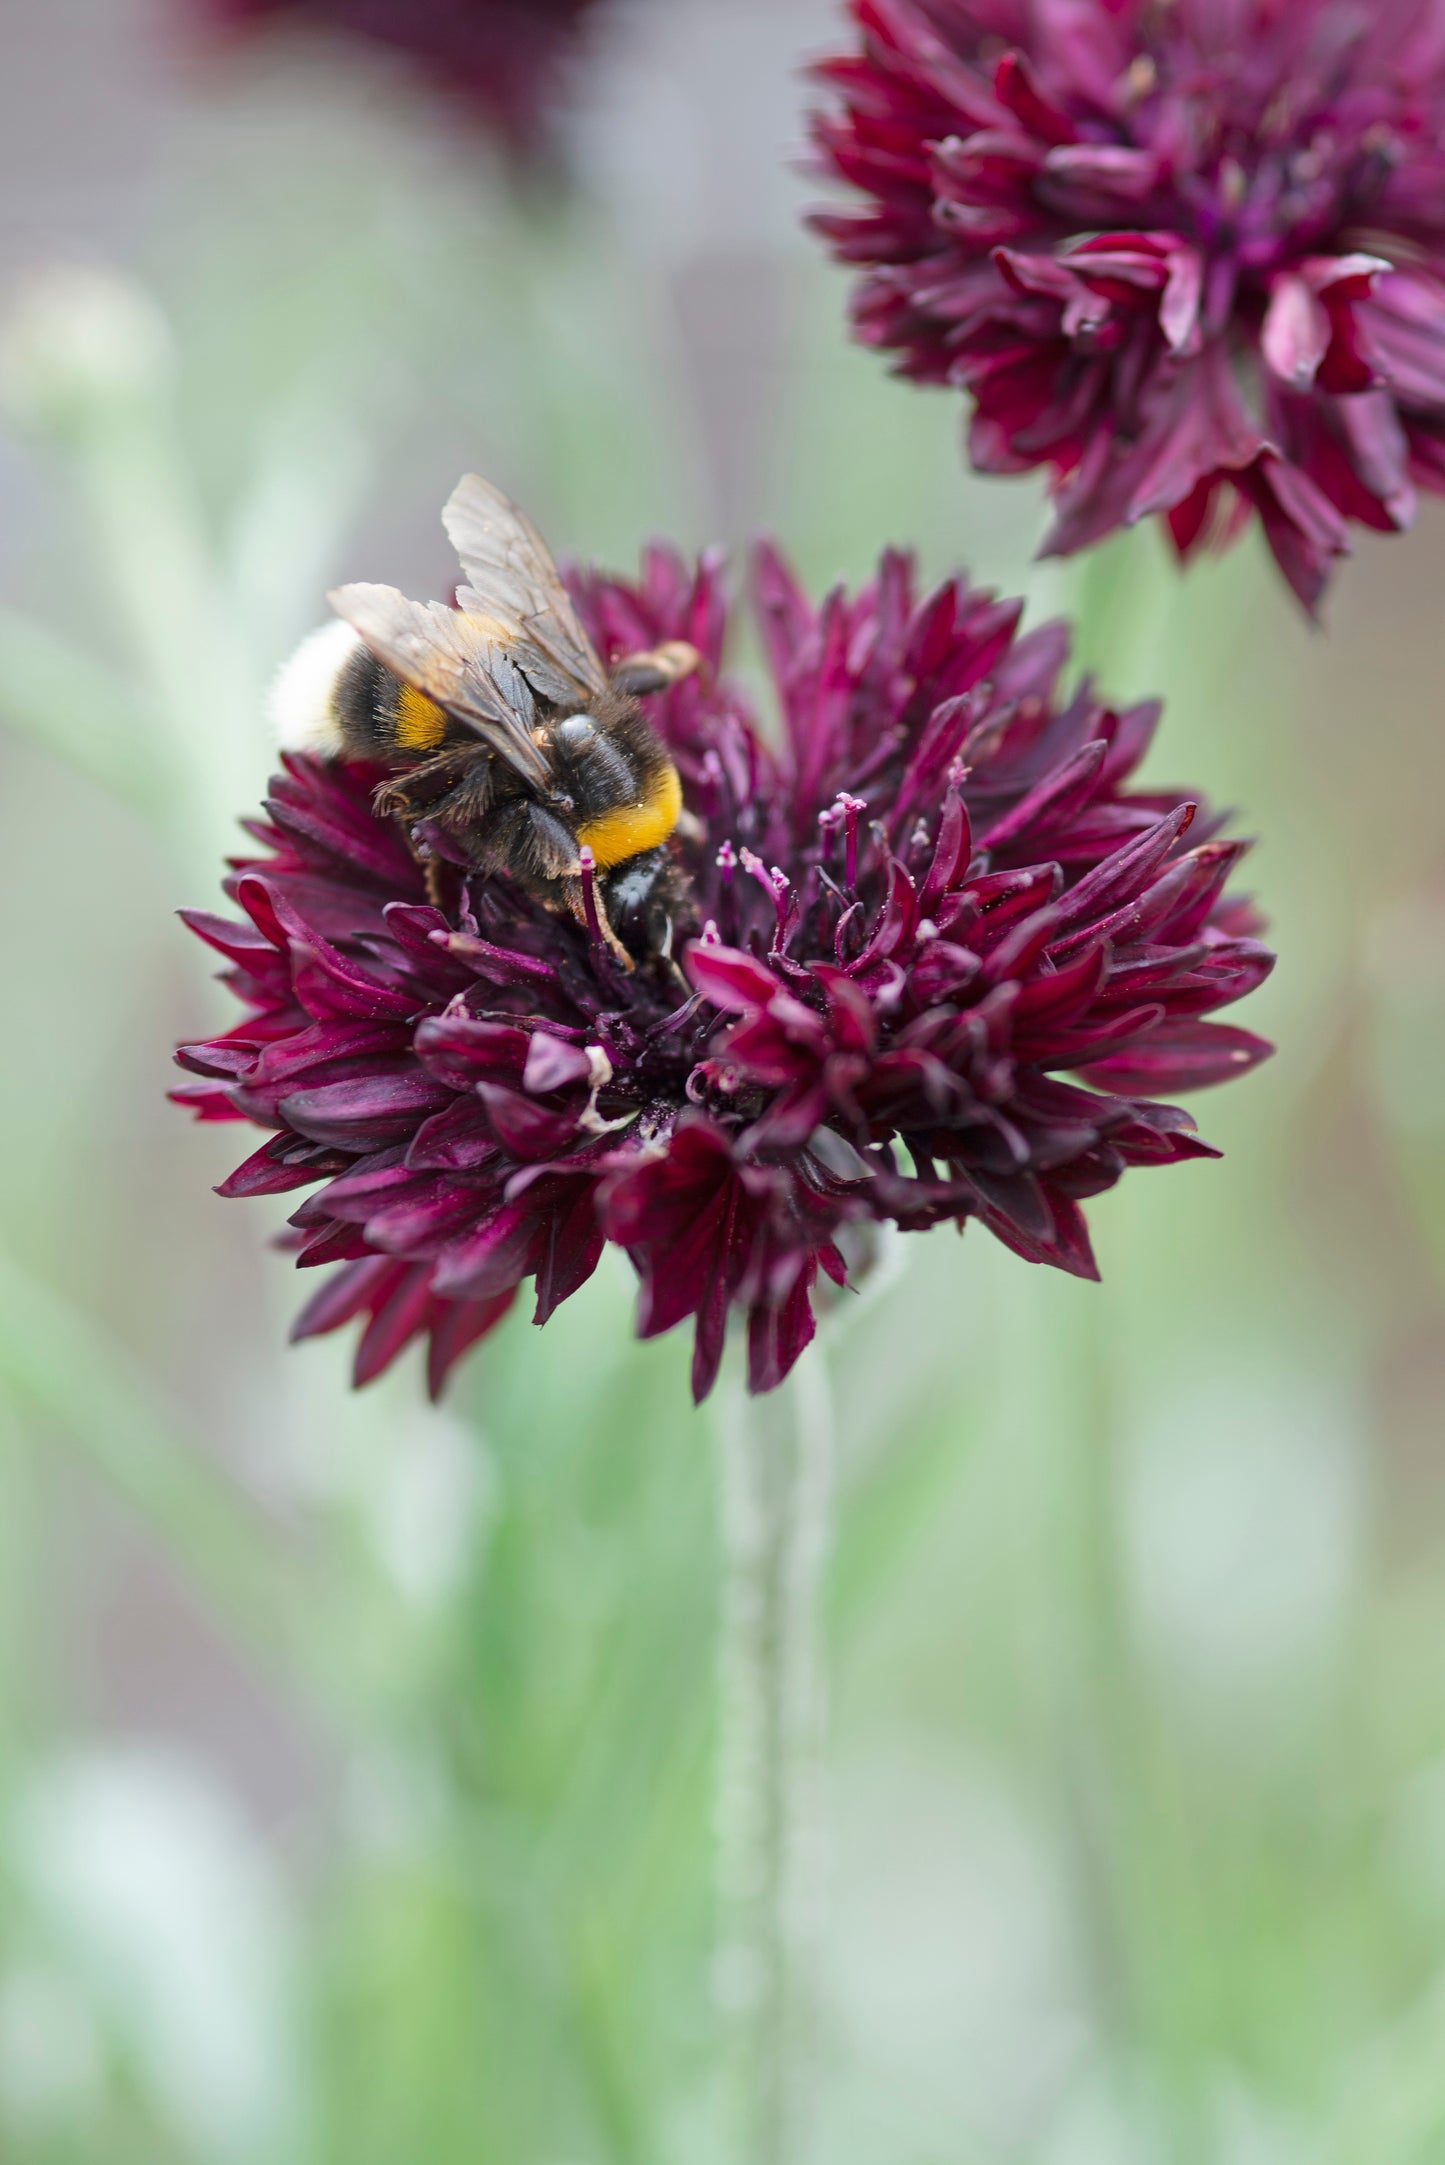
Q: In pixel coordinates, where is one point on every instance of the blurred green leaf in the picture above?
(78, 710)
(56, 1361)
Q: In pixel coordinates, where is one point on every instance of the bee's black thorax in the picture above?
(605, 757)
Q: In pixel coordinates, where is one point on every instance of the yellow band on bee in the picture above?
(420, 722)
(629, 829)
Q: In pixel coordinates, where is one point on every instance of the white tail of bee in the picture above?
(302, 701)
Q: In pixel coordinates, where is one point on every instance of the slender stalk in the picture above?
(810, 1553)
(777, 1483)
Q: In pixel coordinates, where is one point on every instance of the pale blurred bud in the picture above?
(76, 344)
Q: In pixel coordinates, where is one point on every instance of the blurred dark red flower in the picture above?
(1188, 255)
(937, 899)
(502, 59)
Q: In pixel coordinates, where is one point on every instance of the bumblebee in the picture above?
(502, 728)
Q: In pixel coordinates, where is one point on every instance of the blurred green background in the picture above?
(356, 1758)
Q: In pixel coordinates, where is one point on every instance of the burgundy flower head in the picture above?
(935, 901)
(1188, 255)
(501, 59)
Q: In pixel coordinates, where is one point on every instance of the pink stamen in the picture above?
(777, 883)
(587, 864)
(843, 812)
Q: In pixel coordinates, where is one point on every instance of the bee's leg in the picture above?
(587, 906)
(419, 790)
(639, 674)
(433, 868)
(412, 796)
(664, 949)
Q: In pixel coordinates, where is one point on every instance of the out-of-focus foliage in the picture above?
(355, 1760)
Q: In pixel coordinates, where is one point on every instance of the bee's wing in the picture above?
(513, 581)
(435, 649)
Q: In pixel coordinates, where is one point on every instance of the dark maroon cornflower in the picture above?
(501, 59)
(1188, 255)
(937, 900)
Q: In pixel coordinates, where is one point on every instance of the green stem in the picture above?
(777, 1509)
